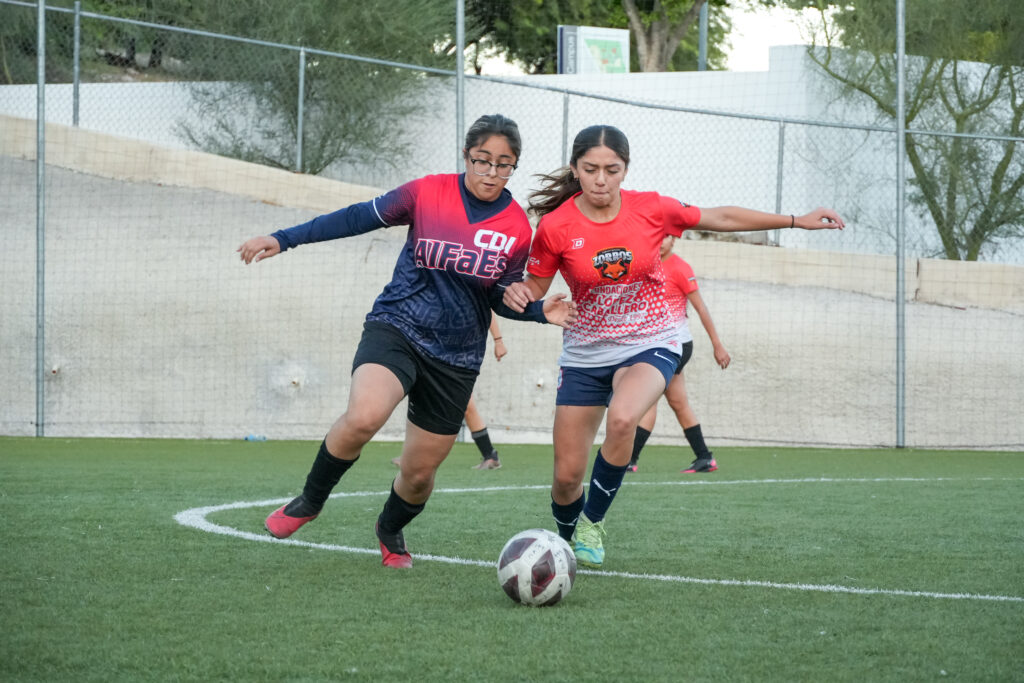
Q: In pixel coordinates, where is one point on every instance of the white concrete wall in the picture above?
(705, 160)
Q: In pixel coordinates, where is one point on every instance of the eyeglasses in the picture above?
(483, 167)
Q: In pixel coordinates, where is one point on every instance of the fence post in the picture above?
(300, 113)
(778, 176)
(40, 211)
(460, 80)
(702, 45)
(565, 129)
(901, 275)
(76, 74)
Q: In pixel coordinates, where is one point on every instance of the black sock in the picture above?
(638, 443)
(483, 442)
(566, 517)
(696, 439)
(397, 513)
(321, 480)
(605, 481)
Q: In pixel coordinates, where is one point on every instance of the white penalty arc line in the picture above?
(196, 518)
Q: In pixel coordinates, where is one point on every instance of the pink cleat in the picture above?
(281, 525)
(393, 553)
(701, 465)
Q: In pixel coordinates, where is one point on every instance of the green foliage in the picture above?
(526, 31)
(18, 38)
(352, 111)
(964, 76)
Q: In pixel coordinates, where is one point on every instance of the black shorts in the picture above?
(687, 351)
(438, 393)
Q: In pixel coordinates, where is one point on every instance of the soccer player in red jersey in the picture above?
(681, 289)
(425, 335)
(605, 242)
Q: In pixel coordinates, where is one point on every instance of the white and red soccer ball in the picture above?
(537, 567)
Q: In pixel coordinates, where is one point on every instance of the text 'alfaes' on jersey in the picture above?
(452, 270)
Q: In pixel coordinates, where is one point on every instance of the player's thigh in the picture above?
(636, 389)
(375, 393)
(473, 419)
(675, 392)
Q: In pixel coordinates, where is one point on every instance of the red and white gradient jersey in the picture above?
(680, 282)
(615, 276)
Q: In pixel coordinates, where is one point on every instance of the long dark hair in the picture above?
(563, 183)
(493, 124)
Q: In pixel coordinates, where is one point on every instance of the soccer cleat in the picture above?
(701, 465)
(590, 542)
(632, 466)
(281, 525)
(489, 463)
(392, 549)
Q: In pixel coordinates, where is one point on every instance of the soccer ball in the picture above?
(536, 567)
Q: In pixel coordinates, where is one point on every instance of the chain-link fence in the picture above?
(126, 312)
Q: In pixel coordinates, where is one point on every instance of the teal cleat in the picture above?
(590, 542)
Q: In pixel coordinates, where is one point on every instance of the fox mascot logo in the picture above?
(613, 264)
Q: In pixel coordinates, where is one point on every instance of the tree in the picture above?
(659, 30)
(18, 45)
(661, 39)
(352, 111)
(964, 76)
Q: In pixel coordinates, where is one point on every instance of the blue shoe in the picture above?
(590, 542)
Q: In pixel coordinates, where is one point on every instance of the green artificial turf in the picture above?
(785, 564)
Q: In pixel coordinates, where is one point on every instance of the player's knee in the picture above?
(418, 480)
(566, 482)
(361, 426)
(620, 425)
(678, 404)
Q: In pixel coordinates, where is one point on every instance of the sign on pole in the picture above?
(593, 50)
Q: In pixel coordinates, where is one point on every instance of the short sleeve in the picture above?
(686, 280)
(545, 253)
(678, 216)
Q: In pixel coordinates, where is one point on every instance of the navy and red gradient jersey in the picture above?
(459, 256)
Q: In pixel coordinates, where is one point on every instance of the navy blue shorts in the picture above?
(593, 386)
(438, 392)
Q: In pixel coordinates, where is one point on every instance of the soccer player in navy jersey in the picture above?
(425, 335)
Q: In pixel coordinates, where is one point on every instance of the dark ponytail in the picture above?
(558, 187)
(563, 183)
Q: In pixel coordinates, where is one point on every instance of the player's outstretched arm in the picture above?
(259, 248)
(739, 219)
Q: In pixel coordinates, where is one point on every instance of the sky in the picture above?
(754, 32)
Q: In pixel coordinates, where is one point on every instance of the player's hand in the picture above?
(517, 296)
(722, 357)
(499, 350)
(259, 248)
(819, 219)
(559, 311)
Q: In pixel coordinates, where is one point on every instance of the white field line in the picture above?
(197, 519)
